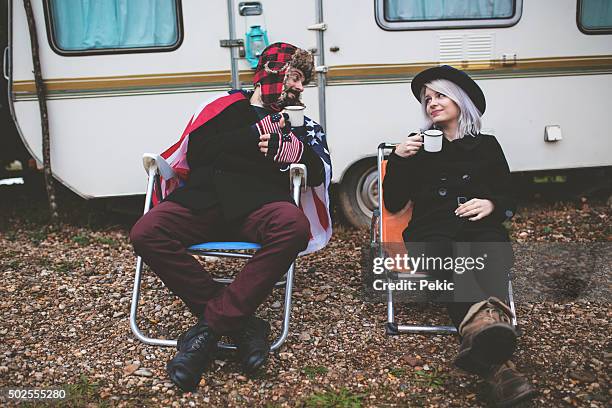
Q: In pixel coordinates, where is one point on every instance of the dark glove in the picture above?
(270, 124)
(285, 148)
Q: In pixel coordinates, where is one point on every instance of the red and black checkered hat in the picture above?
(272, 68)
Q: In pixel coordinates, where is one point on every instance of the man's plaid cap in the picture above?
(274, 63)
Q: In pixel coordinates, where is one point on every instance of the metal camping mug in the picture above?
(296, 115)
(432, 140)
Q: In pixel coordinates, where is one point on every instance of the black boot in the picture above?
(253, 345)
(197, 348)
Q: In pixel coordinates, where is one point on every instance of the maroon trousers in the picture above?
(162, 235)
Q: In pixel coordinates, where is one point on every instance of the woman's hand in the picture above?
(476, 208)
(410, 146)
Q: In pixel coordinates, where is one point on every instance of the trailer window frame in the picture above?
(49, 25)
(588, 31)
(446, 24)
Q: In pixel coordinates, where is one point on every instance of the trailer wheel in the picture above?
(358, 193)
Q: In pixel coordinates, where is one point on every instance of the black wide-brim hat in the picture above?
(454, 75)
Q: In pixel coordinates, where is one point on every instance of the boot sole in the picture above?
(526, 396)
(182, 383)
(253, 368)
(495, 344)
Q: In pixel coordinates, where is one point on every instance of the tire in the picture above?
(358, 193)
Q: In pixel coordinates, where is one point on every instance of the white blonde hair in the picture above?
(469, 122)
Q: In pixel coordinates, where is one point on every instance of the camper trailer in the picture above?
(123, 77)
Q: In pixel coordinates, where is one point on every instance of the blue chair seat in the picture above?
(226, 246)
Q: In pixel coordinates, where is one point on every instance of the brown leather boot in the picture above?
(488, 337)
(508, 386)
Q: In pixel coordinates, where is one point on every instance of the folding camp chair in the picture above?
(387, 228)
(157, 167)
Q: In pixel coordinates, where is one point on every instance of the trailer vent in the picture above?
(479, 47)
(462, 49)
(451, 48)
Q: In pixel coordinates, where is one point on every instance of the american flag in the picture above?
(314, 201)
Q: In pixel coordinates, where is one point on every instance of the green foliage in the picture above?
(82, 393)
(312, 371)
(65, 266)
(335, 399)
(107, 241)
(432, 378)
(37, 235)
(81, 239)
(397, 372)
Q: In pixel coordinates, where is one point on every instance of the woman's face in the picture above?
(441, 109)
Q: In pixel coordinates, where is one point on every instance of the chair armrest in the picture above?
(297, 180)
(154, 163)
(298, 175)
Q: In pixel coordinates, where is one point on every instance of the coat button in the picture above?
(442, 192)
(466, 177)
(508, 214)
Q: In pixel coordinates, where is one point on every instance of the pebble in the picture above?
(583, 376)
(130, 369)
(143, 372)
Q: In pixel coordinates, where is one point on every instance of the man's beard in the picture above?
(289, 97)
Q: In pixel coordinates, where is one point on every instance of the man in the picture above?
(232, 160)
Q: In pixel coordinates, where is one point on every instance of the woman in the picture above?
(462, 194)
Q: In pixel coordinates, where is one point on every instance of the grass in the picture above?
(81, 393)
(65, 266)
(312, 371)
(335, 399)
(12, 264)
(37, 235)
(107, 241)
(81, 239)
(432, 378)
(397, 372)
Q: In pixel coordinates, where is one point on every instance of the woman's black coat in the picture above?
(471, 167)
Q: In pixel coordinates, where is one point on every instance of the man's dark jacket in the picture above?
(227, 168)
(471, 167)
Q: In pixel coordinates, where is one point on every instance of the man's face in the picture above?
(294, 85)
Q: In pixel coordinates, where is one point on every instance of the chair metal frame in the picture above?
(157, 167)
(376, 236)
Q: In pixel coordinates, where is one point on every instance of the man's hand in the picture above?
(476, 208)
(273, 123)
(285, 148)
(410, 146)
(263, 143)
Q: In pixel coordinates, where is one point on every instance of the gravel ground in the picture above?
(65, 298)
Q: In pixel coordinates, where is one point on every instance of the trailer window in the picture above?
(441, 14)
(103, 26)
(595, 16)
